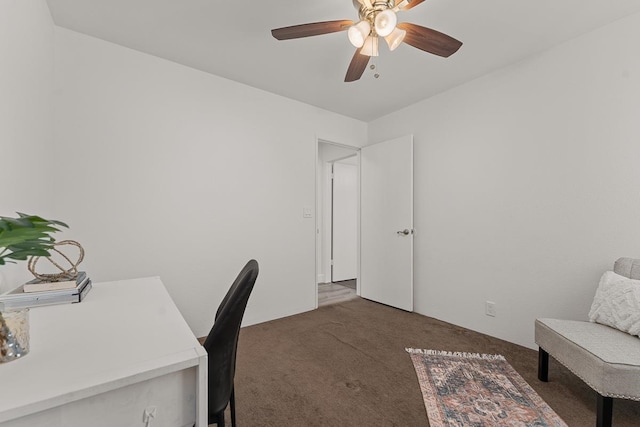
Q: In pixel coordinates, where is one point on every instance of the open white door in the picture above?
(345, 221)
(386, 221)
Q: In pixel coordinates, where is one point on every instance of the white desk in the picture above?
(102, 362)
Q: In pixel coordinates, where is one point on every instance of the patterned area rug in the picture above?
(480, 390)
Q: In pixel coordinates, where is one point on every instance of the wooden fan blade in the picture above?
(357, 66)
(429, 40)
(412, 4)
(313, 29)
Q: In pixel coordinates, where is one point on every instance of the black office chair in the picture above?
(222, 343)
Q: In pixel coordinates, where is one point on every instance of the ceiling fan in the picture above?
(377, 19)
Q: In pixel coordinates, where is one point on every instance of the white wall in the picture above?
(526, 179)
(26, 77)
(527, 184)
(186, 175)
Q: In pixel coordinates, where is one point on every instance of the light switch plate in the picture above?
(306, 213)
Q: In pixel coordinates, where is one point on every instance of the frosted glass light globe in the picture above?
(395, 38)
(370, 47)
(385, 22)
(358, 33)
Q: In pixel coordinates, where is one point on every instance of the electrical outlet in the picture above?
(490, 308)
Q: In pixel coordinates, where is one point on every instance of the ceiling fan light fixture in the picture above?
(401, 5)
(370, 46)
(377, 18)
(358, 33)
(395, 38)
(385, 22)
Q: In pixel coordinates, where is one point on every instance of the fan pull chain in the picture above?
(373, 67)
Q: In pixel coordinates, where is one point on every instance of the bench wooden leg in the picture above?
(543, 365)
(605, 411)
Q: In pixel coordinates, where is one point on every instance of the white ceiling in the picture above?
(232, 39)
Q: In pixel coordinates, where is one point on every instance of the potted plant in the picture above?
(21, 238)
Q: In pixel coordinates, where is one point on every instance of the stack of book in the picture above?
(37, 292)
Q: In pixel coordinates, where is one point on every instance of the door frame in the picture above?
(322, 208)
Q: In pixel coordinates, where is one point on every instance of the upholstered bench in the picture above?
(605, 358)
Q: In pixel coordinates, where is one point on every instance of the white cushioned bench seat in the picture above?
(605, 358)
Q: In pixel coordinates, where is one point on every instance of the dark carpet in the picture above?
(346, 365)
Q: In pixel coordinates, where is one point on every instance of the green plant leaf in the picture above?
(8, 239)
(25, 236)
(30, 245)
(24, 254)
(36, 219)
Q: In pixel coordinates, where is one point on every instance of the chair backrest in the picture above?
(222, 341)
(248, 266)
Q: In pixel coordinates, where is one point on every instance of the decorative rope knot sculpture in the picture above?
(69, 273)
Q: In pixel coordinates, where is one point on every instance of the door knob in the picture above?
(404, 232)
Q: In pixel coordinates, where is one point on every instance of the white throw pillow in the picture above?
(617, 303)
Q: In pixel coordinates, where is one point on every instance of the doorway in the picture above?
(384, 220)
(337, 262)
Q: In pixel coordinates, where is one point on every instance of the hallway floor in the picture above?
(332, 293)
